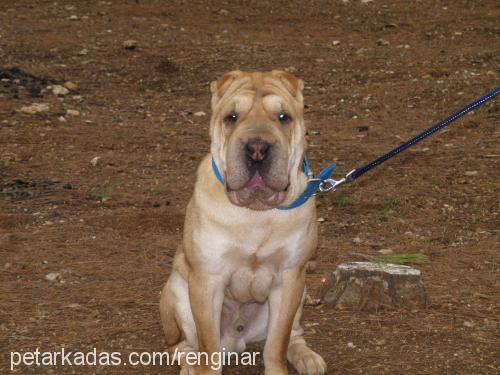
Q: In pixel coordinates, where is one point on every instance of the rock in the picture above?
(471, 173)
(53, 276)
(61, 119)
(71, 86)
(73, 305)
(35, 108)
(373, 286)
(199, 114)
(309, 301)
(311, 266)
(72, 112)
(59, 90)
(385, 251)
(130, 44)
(83, 52)
(336, 42)
(350, 345)
(320, 219)
(94, 161)
(356, 240)
(382, 42)
(223, 12)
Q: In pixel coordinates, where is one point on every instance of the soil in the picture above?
(376, 73)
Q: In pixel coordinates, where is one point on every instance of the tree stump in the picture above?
(373, 286)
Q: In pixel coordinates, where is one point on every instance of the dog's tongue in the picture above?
(256, 181)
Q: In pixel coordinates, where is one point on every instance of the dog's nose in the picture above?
(257, 149)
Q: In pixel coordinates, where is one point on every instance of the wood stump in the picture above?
(373, 286)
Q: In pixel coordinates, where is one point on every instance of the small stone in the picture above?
(53, 276)
(61, 119)
(309, 301)
(471, 173)
(356, 240)
(73, 305)
(311, 266)
(94, 161)
(72, 112)
(59, 90)
(223, 12)
(83, 52)
(35, 108)
(320, 220)
(385, 251)
(130, 44)
(382, 42)
(199, 114)
(336, 42)
(468, 324)
(71, 86)
(73, 17)
(350, 345)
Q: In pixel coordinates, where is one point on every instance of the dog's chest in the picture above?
(251, 250)
(255, 262)
(250, 283)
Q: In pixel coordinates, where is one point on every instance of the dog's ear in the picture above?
(292, 83)
(220, 86)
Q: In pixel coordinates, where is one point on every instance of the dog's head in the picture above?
(257, 132)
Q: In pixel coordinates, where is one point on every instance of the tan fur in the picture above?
(245, 266)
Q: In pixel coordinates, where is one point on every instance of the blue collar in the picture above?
(312, 183)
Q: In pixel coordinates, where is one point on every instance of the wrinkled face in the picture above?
(257, 132)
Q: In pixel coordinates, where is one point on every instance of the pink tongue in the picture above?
(256, 181)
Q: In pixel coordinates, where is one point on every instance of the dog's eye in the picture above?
(231, 118)
(284, 118)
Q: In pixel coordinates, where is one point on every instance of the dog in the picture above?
(239, 275)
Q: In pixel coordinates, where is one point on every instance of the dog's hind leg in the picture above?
(303, 358)
(173, 333)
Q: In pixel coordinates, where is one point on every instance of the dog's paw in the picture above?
(275, 371)
(188, 370)
(305, 361)
(197, 370)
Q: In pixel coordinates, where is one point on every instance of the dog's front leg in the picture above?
(284, 301)
(206, 295)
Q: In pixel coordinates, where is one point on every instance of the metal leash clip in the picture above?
(330, 184)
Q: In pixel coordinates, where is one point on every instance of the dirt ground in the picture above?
(376, 73)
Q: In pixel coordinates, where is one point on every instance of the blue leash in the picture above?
(323, 181)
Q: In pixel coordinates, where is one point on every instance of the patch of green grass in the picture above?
(402, 258)
(98, 196)
(163, 191)
(388, 205)
(341, 201)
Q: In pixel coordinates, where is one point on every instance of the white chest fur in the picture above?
(251, 248)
